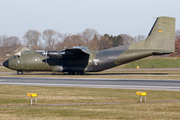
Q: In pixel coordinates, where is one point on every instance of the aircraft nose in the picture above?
(6, 63)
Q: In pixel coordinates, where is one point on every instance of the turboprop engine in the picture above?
(55, 54)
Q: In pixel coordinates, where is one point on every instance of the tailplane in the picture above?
(161, 38)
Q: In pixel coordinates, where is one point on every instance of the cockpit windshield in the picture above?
(17, 55)
(82, 48)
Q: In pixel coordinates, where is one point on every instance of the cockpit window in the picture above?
(17, 55)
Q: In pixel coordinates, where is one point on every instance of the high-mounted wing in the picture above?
(69, 52)
(69, 60)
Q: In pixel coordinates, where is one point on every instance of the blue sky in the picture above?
(114, 17)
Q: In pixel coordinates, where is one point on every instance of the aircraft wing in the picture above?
(75, 51)
(69, 52)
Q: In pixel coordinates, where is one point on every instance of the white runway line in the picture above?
(101, 86)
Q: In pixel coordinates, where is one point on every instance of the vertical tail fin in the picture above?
(160, 38)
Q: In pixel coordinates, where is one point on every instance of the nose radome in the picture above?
(6, 63)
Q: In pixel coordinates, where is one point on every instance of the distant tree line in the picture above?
(177, 45)
(53, 40)
(8, 45)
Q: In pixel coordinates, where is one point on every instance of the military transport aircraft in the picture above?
(78, 60)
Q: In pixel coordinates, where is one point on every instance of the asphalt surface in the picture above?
(154, 69)
(94, 83)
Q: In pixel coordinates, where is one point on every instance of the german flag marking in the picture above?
(160, 30)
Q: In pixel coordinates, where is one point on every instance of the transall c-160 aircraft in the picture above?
(78, 60)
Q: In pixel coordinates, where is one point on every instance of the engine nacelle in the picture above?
(55, 54)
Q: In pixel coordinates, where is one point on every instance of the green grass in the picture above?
(135, 111)
(156, 62)
(130, 109)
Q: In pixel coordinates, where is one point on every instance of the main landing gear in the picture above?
(19, 72)
(75, 73)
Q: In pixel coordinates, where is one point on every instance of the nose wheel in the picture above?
(19, 72)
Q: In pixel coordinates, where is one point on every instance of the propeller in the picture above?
(46, 58)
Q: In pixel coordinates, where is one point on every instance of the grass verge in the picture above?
(132, 109)
(156, 62)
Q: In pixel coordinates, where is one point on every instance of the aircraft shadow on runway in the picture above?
(89, 74)
(127, 74)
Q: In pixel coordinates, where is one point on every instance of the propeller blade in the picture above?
(46, 58)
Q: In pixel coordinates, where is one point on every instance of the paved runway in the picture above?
(94, 83)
